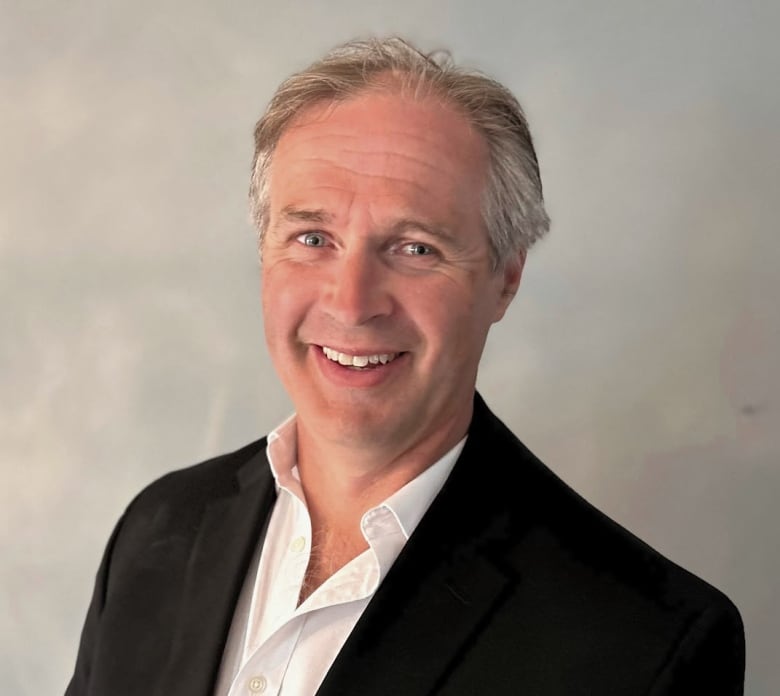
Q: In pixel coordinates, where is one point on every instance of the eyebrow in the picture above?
(292, 214)
(433, 230)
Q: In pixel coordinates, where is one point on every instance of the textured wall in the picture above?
(640, 358)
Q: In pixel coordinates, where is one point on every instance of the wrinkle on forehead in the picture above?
(360, 177)
(383, 154)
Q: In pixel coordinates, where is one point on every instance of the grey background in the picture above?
(639, 360)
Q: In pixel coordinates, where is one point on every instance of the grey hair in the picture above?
(512, 203)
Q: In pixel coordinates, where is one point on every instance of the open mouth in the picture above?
(359, 362)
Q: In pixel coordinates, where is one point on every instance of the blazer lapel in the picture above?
(442, 587)
(409, 635)
(229, 532)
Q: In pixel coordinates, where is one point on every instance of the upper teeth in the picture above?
(358, 360)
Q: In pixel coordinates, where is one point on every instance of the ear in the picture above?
(510, 278)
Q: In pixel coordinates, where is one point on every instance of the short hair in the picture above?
(512, 202)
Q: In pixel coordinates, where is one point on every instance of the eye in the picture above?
(417, 249)
(312, 239)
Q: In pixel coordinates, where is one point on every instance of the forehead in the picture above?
(383, 147)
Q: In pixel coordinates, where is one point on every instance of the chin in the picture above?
(359, 427)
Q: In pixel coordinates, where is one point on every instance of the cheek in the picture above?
(455, 323)
(284, 299)
(448, 323)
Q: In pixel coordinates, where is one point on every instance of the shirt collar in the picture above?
(408, 504)
(411, 502)
(282, 453)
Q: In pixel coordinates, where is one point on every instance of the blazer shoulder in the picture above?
(562, 526)
(601, 584)
(189, 488)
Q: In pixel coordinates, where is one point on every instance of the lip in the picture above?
(356, 378)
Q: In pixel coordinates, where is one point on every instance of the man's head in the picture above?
(512, 202)
(380, 278)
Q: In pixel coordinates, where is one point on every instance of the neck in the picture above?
(341, 481)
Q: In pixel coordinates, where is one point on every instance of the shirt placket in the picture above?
(269, 654)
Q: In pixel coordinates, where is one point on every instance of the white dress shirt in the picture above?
(277, 648)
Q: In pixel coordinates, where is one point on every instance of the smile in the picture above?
(359, 361)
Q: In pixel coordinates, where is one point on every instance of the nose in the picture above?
(357, 291)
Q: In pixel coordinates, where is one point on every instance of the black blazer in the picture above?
(511, 584)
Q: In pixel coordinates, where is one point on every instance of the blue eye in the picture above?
(312, 239)
(418, 249)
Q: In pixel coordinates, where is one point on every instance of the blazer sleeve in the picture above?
(90, 634)
(710, 657)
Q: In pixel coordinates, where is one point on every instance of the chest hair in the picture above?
(331, 550)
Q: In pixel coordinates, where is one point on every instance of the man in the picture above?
(393, 537)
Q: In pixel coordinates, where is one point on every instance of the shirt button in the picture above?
(298, 544)
(257, 684)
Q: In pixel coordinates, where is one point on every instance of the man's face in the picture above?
(378, 291)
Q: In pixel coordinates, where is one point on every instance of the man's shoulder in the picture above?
(555, 530)
(215, 477)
